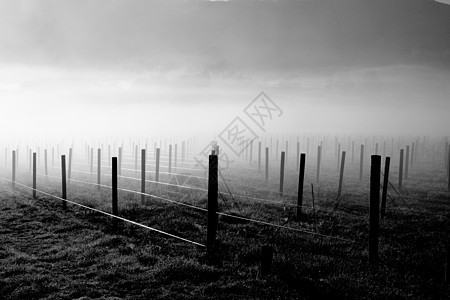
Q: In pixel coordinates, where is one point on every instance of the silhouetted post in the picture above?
(338, 157)
(119, 167)
(157, 164)
(70, 165)
(361, 163)
(374, 207)
(45, 163)
(170, 159)
(175, 157)
(283, 155)
(400, 170)
(353, 151)
(99, 166)
(385, 186)
(301, 180)
(34, 175)
(259, 157)
(92, 159)
(341, 174)
(298, 155)
(212, 204)
(13, 183)
(267, 164)
(63, 180)
(407, 162)
(183, 152)
(115, 201)
(266, 260)
(319, 154)
(143, 160)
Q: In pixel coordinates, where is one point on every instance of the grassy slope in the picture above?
(48, 253)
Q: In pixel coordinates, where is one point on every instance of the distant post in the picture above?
(99, 166)
(374, 207)
(341, 174)
(400, 170)
(283, 157)
(115, 206)
(301, 180)
(34, 175)
(63, 181)
(13, 183)
(143, 160)
(361, 163)
(259, 157)
(267, 164)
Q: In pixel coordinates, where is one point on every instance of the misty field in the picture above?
(48, 252)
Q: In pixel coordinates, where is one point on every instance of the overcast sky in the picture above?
(355, 56)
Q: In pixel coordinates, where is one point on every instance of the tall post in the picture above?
(63, 180)
(407, 162)
(34, 175)
(283, 157)
(69, 171)
(143, 160)
(341, 174)
(400, 170)
(212, 204)
(301, 180)
(99, 167)
(267, 164)
(157, 164)
(170, 159)
(319, 154)
(115, 200)
(385, 186)
(13, 183)
(361, 163)
(374, 207)
(259, 157)
(45, 162)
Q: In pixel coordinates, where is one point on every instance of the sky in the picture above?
(181, 67)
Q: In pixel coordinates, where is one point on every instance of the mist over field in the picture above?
(90, 68)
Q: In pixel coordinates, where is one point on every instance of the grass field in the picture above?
(49, 253)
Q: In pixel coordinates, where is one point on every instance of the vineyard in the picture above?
(291, 217)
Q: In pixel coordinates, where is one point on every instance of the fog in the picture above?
(77, 69)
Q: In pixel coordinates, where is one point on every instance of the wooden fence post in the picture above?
(341, 174)
(34, 175)
(283, 157)
(400, 170)
(63, 180)
(143, 161)
(158, 151)
(70, 165)
(13, 183)
(99, 166)
(374, 221)
(361, 163)
(267, 164)
(301, 180)
(170, 159)
(115, 201)
(319, 154)
(407, 162)
(212, 205)
(259, 157)
(385, 186)
(45, 163)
